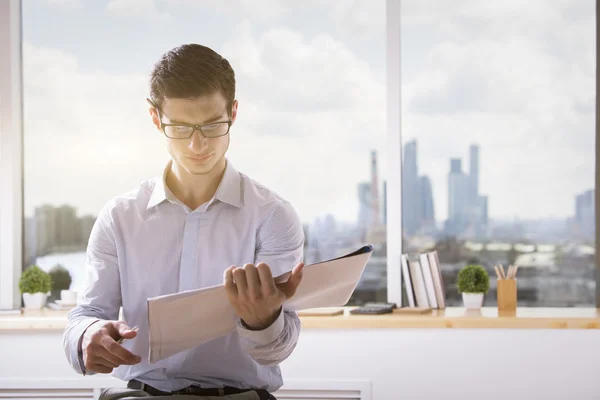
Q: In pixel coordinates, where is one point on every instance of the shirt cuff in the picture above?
(264, 336)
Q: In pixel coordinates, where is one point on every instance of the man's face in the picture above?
(197, 155)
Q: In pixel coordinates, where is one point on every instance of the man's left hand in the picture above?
(255, 296)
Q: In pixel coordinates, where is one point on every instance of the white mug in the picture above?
(68, 297)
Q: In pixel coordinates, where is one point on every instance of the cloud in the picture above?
(310, 113)
(516, 78)
(136, 8)
(349, 17)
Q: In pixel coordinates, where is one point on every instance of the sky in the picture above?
(515, 77)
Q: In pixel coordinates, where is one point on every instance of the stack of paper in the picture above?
(174, 319)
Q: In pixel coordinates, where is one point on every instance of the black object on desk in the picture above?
(375, 308)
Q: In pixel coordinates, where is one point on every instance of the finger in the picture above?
(253, 280)
(266, 279)
(239, 276)
(105, 362)
(229, 284)
(103, 354)
(125, 331)
(121, 353)
(119, 329)
(289, 288)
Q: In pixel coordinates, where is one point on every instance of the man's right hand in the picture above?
(101, 352)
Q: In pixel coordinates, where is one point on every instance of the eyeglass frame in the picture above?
(194, 127)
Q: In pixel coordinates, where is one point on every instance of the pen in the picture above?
(121, 339)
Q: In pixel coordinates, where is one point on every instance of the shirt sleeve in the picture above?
(100, 298)
(280, 245)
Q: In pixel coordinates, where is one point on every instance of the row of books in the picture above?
(422, 281)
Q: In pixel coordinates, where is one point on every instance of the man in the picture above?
(200, 224)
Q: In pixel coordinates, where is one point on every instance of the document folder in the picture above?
(187, 319)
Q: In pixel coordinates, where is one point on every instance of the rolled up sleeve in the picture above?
(100, 298)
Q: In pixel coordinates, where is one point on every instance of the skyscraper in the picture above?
(474, 175)
(384, 202)
(364, 205)
(410, 190)
(467, 209)
(375, 218)
(426, 211)
(585, 213)
(458, 198)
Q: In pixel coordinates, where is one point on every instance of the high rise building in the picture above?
(474, 175)
(458, 198)
(426, 211)
(45, 229)
(467, 209)
(364, 205)
(384, 202)
(410, 190)
(375, 218)
(585, 213)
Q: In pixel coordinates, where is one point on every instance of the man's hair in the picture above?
(190, 71)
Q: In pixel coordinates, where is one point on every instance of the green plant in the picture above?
(61, 278)
(473, 278)
(34, 280)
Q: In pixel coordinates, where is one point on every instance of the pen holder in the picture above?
(507, 294)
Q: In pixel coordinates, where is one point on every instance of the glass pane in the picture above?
(498, 143)
(311, 124)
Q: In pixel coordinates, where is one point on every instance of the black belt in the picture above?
(196, 390)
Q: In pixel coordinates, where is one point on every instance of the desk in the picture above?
(457, 318)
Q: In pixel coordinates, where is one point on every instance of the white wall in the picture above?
(400, 364)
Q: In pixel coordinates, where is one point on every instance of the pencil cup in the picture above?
(507, 294)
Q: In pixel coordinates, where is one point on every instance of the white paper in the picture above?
(184, 320)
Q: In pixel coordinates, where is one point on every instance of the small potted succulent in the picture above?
(35, 284)
(473, 282)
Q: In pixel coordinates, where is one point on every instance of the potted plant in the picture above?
(35, 284)
(473, 282)
(61, 280)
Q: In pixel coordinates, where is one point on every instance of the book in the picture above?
(410, 296)
(438, 281)
(420, 291)
(428, 279)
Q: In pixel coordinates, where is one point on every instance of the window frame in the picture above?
(597, 172)
(11, 154)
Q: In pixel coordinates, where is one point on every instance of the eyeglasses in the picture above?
(185, 131)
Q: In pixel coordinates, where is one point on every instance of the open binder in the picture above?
(187, 319)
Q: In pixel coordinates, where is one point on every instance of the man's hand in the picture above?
(101, 352)
(255, 297)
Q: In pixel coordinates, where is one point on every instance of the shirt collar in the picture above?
(229, 190)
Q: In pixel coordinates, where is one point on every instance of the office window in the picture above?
(498, 135)
(311, 124)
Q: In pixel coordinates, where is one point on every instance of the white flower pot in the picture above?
(34, 301)
(472, 300)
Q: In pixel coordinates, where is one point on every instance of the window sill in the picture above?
(457, 318)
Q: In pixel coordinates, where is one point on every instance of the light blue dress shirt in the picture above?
(146, 243)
